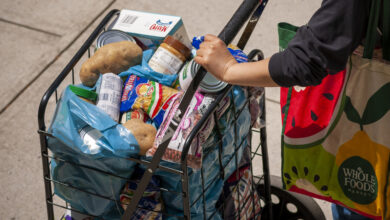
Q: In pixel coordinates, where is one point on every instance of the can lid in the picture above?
(91, 95)
(179, 46)
(210, 84)
(112, 36)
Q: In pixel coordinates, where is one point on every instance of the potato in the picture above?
(143, 133)
(111, 58)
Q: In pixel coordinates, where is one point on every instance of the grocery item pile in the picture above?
(131, 88)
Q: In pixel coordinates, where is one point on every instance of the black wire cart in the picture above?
(263, 184)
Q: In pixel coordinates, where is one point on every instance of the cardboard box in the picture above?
(151, 29)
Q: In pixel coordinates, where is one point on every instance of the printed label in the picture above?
(128, 19)
(164, 61)
(358, 180)
(160, 26)
(146, 24)
(185, 76)
(110, 95)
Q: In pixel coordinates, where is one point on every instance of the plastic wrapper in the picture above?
(149, 96)
(236, 52)
(70, 215)
(134, 114)
(254, 105)
(173, 202)
(145, 71)
(197, 108)
(104, 147)
(150, 206)
(238, 195)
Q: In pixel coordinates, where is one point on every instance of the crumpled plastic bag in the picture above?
(105, 147)
(145, 71)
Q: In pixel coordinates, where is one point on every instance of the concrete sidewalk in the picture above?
(38, 38)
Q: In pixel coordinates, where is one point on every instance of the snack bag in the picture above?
(239, 194)
(150, 206)
(134, 114)
(197, 108)
(149, 96)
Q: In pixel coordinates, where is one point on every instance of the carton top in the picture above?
(145, 24)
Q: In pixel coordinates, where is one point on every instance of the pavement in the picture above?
(38, 39)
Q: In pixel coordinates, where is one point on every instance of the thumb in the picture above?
(199, 60)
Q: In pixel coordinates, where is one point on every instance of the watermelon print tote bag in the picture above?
(336, 136)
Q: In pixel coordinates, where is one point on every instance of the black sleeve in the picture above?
(323, 45)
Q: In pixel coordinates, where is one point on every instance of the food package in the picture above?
(239, 193)
(134, 114)
(151, 29)
(197, 108)
(71, 215)
(110, 91)
(234, 135)
(150, 205)
(255, 94)
(150, 96)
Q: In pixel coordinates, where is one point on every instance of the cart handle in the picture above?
(241, 44)
(227, 34)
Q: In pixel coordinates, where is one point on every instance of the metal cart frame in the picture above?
(249, 9)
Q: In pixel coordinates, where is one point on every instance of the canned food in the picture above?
(112, 36)
(209, 84)
(109, 98)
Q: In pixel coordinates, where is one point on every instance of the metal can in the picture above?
(112, 36)
(110, 92)
(209, 84)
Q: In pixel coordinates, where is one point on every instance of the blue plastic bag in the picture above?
(108, 153)
(145, 71)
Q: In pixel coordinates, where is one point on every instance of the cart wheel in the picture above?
(256, 55)
(290, 205)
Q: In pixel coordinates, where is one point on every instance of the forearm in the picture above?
(250, 74)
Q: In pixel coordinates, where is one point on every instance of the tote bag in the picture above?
(336, 136)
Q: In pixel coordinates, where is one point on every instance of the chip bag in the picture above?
(149, 96)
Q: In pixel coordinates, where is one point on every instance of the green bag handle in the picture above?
(386, 29)
(371, 34)
(286, 33)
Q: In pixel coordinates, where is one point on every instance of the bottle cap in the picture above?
(178, 46)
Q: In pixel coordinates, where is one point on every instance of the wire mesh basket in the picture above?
(252, 145)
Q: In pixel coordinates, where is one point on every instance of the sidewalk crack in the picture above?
(30, 28)
(54, 59)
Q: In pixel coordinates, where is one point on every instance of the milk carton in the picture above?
(150, 28)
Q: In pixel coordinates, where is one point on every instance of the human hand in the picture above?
(214, 56)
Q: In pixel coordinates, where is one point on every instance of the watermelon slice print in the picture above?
(311, 110)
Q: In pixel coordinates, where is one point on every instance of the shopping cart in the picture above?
(281, 205)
